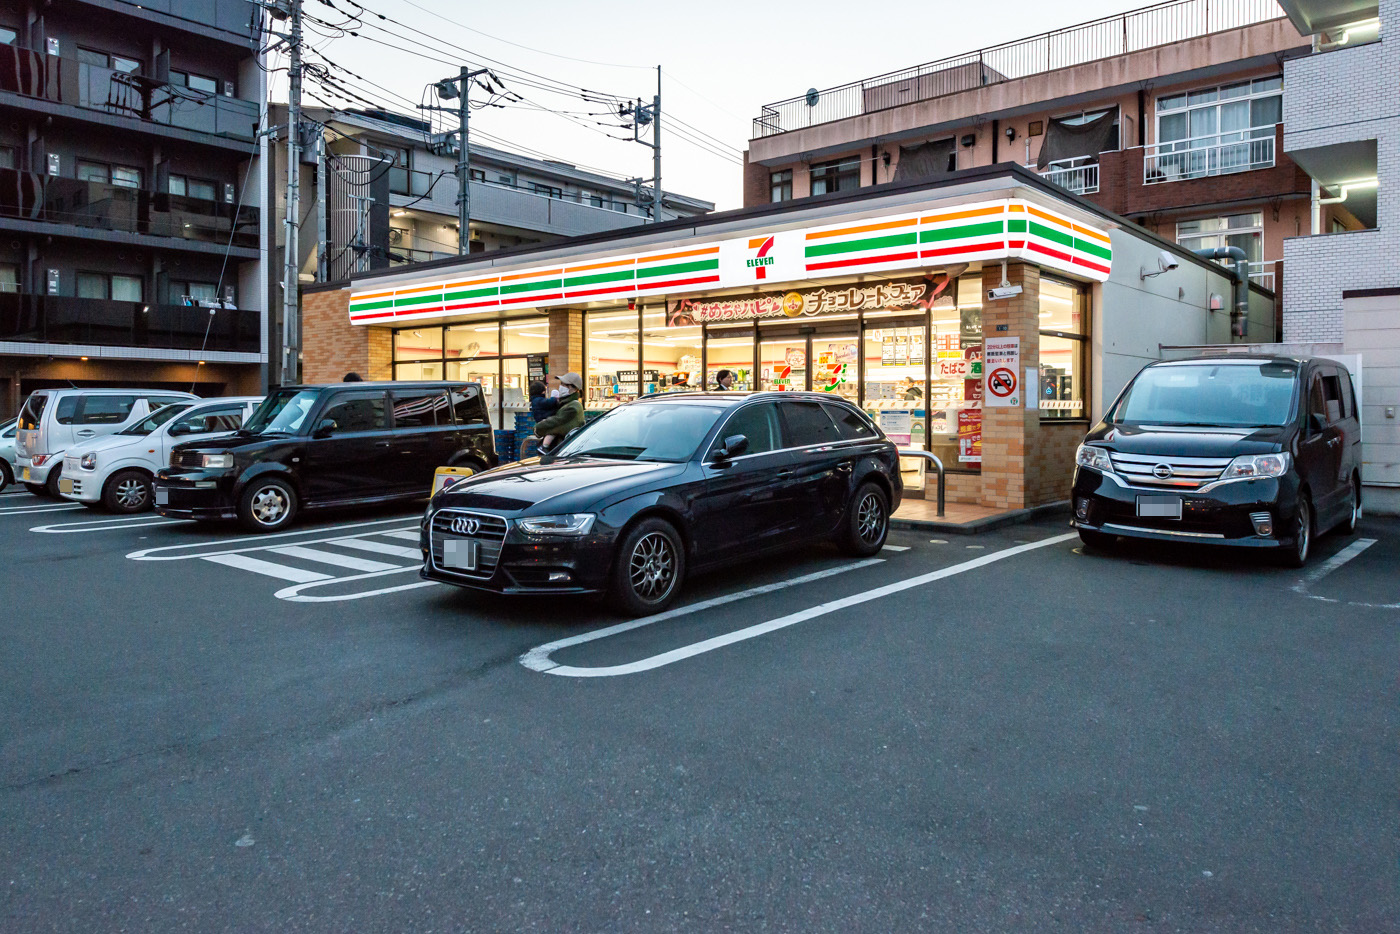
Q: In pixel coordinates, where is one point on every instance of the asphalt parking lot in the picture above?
(211, 731)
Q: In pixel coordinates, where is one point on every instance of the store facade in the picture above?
(885, 301)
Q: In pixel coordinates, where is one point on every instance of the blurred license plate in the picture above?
(1159, 507)
(162, 497)
(26, 475)
(65, 485)
(462, 555)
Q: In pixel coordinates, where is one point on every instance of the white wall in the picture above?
(1136, 316)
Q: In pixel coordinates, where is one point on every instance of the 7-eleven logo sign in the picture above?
(760, 261)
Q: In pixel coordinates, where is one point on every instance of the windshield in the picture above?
(647, 432)
(33, 409)
(282, 412)
(1233, 395)
(157, 418)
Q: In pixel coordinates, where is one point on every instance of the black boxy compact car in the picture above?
(633, 501)
(314, 446)
(1254, 451)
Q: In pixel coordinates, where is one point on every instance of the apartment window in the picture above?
(780, 184)
(547, 190)
(109, 286)
(398, 171)
(9, 277)
(194, 82)
(1245, 231)
(192, 187)
(1211, 131)
(476, 175)
(125, 176)
(192, 292)
(837, 175)
(9, 157)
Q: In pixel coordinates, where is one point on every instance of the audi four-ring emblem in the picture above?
(465, 526)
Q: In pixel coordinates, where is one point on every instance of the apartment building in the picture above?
(131, 240)
(380, 191)
(1171, 115)
(1342, 113)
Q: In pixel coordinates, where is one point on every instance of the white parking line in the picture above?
(348, 562)
(336, 531)
(408, 535)
(538, 658)
(109, 524)
(1306, 582)
(284, 572)
(42, 507)
(380, 548)
(295, 593)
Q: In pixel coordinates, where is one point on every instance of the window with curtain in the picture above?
(780, 184)
(1229, 128)
(837, 175)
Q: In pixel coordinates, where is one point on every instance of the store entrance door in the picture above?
(822, 359)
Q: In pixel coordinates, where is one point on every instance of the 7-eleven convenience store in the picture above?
(880, 296)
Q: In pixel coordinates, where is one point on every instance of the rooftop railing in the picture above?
(1162, 24)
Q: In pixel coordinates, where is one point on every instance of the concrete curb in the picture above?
(1014, 517)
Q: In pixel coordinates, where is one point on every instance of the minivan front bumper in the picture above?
(195, 494)
(1222, 514)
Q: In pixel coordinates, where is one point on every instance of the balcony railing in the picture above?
(418, 183)
(55, 319)
(34, 197)
(1220, 154)
(1081, 179)
(1162, 24)
(68, 81)
(1262, 273)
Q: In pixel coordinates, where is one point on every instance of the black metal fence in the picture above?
(55, 319)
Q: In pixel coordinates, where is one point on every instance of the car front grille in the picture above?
(188, 459)
(1169, 473)
(490, 532)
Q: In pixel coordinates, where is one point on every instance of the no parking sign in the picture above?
(1002, 363)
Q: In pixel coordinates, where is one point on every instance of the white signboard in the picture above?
(1001, 368)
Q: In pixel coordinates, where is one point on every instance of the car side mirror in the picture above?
(733, 446)
(178, 430)
(1316, 421)
(324, 429)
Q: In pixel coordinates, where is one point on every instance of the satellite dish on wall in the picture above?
(813, 95)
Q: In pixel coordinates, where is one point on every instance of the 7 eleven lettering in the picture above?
(760, 263)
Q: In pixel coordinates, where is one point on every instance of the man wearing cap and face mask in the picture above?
(570, 414)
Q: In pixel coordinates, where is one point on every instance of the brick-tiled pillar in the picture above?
(1009, 433)
(565, 341)
(331, 346)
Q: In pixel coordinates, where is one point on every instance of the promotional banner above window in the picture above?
(1011, 229)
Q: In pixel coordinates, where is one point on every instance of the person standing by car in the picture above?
(542, 406)
(570, 414)
(724, 380)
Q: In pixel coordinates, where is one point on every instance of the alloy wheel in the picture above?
(1304, 531)
(269, 505)
(652, 568)
(131, 493)
(870, 519)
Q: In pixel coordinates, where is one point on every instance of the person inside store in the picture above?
(569, 416)
(724, 380)
(909, 390)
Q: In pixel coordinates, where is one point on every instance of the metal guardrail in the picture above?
(1080, 179)
(942, 475)
(1161, 24)
(1164, 162)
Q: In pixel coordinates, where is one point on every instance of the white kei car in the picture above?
(115, 471)
(7, 453)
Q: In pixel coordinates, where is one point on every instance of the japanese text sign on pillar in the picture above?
(1001, 365)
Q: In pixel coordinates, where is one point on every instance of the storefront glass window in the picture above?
(895, 384)
(611, 339)
(729, 349)
(524, 335)
(836, 365)
(674, 353)
(1064, 342)
(464, 344)
(782, 363)
(418, 344)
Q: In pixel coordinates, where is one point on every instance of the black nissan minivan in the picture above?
(338, 445)
(1253, 451)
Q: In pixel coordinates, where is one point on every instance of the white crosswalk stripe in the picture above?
(332, 558)
(272, 569)
(408, 535)
(379, 548)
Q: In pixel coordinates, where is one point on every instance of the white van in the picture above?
(116, 471)
(53, 420)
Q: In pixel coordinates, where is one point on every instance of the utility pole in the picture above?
(322, 247)
(291, 330)
(642, 115)
(458, 88)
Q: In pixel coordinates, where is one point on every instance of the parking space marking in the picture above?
(380, 548)
(408, 535)
(538, 658)
(296, 593)
(284, 572)
(109, 524)
(895, 548)
(349, 562)
(162, 553)
(1305, 583)
(41, 507)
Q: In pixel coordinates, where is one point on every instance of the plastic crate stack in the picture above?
(524, 431)
(505, 446)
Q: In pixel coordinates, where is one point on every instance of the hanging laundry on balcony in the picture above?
(1064, 140)
(926, 161)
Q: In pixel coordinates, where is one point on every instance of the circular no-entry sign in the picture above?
(1001, 382)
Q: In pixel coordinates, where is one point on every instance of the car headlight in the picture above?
(1256, 465)
(216, 461)
(1090, 456)
(88, 462)
(575, 524)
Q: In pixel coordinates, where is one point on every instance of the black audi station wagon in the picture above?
(631, 503)
(1251, 451)
(344, 444)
